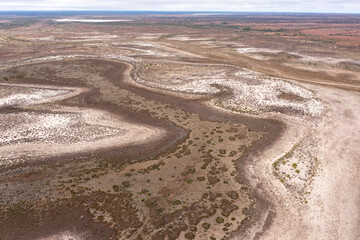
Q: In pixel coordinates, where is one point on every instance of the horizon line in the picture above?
(171, 11)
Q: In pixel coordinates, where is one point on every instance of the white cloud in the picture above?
(352, 6)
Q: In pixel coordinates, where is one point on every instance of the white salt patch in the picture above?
(23, 99)
(63, 236)
(329, 60)
(187, 38)
(255, 50)
(54, 121)
(96, 37)
(150, 36)
(252, 92)
(31, 127)
(50, 38)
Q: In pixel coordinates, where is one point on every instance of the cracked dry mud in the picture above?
(176, 132)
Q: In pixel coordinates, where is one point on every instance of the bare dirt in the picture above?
(213, 127)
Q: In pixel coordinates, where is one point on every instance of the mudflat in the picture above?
(231, 127)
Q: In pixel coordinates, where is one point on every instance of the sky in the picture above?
(320, 6)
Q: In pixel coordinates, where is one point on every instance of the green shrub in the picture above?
(219, 220)
(116, 188)
(200, 179)
(206, 225)
(126, 184)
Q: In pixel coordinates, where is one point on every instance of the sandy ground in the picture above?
(315, 218)
(320, 201)
(334, 202)
(331, 210)
(180, 172)
(325, 202)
